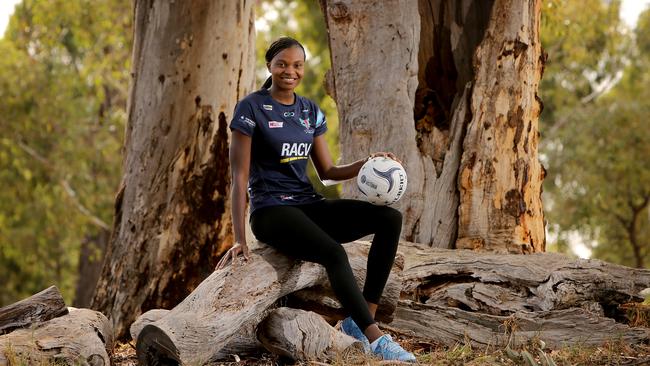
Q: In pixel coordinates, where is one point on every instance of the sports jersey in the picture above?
(282, 137)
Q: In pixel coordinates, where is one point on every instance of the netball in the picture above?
(382, 181)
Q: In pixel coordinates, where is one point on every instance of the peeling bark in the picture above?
(500, 177)
(191, 62)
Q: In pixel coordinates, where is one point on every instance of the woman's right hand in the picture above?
(233, 253)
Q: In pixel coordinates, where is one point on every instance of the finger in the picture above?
(224, 260)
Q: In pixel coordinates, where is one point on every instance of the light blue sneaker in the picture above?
(388, 349)
(349, 327)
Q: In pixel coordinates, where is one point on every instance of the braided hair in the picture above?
(276, 47)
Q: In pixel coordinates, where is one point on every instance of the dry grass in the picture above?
(614, 353)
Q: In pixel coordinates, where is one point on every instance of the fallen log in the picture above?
(304, 336)
(460, 294)
(557, 328)
(81, 337)
(43, 306)
(210, 320)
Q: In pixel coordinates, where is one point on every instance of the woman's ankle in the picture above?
(373, 332)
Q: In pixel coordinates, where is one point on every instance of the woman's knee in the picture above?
(334, 257)
(389, 217)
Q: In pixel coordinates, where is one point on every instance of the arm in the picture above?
(326, 169)
(240, 157)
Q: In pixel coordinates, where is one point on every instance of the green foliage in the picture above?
(302, 20)
(595, 143)
(63, 82)
(587, 46)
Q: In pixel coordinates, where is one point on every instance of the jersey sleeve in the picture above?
(321, 122)
(243, 119)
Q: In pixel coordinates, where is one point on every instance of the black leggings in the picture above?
(314, 233)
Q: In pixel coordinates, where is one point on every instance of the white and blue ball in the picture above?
(382, 181)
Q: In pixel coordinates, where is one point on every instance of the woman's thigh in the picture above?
(347, 220)
(291, 231)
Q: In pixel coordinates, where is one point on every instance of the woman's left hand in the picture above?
(386, 155)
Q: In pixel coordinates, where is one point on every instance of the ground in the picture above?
(461, 355)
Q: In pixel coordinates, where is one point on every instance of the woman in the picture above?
(274, 132)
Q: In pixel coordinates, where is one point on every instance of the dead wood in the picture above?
(40, 307)
(217, 318)
(304, 335)
(81, 337)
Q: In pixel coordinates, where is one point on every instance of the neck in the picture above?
(282, 96)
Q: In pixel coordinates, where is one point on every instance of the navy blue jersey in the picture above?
(282, 137)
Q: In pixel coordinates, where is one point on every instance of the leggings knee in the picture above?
(335, 257)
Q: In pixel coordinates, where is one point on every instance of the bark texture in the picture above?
(500, 175)
(41, 307)
(451, 296)
(81, 337)
(449, 34)
(191, 62)
(470, 147)
(303, 336)
(373, 46)
(218, 316)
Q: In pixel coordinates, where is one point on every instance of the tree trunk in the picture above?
(500, 176)
(191, 62)
(41, 307)
(81, 337)
(91, 258)
(474, 177)
(450, 296)
(231, 303)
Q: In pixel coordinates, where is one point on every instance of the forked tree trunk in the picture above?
(191, 62)
(476, 65)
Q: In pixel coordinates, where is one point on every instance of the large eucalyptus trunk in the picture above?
(450, 87)
(191, 62)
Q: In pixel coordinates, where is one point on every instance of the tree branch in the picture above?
(66, 186)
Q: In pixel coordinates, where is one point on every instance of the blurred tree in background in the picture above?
(63, 84)
(594, 140)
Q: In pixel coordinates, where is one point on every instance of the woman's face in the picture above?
(287, 68)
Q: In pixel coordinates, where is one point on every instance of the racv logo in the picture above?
(294, 151)
(388, 175)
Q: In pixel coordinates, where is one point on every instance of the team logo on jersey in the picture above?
(294, 151)
(275, 124)
(306, 123)
(268, 107)
(289, 114)
(247, 120)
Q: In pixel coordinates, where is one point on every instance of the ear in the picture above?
(268, 66)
